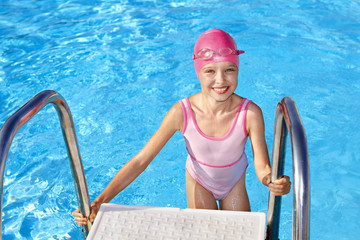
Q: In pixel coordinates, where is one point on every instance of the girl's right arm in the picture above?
(172, 122)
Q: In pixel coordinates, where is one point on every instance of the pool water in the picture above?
(121, 65)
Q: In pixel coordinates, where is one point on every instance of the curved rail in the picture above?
(13, 124)
(287, 120)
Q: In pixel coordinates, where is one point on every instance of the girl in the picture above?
(215, 123)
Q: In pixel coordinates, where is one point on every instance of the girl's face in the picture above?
(218, 80)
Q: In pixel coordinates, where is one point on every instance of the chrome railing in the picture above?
(287, 120)
(18, 119)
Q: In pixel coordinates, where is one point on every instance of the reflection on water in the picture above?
(122, 65)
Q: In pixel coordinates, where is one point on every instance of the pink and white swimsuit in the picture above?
(216, 163)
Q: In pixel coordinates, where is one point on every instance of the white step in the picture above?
(137, 222)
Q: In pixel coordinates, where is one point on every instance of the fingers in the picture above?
(81, 221)
(282, 180)
(79, 218)
(280, 186)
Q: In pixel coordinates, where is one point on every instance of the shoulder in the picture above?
(237, 100)
(254, 110)
(254, 117)
(175, 116)
(194, 99)
(176, 110)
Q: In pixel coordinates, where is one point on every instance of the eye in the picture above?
(230, 70)
(209, 71)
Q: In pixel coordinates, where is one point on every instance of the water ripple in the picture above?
(121, 64)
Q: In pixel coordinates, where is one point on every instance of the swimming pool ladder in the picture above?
(287, 120)
(24, 114)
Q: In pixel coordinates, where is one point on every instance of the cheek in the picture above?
(206, 80)
(234, 80)
(235, 84)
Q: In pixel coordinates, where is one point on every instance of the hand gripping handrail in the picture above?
(287, 114)
(13, 124)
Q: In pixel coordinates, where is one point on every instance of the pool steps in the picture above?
(22, 116)
(287, 121)
(161, 223)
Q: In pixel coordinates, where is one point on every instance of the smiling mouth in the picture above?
(221, 90)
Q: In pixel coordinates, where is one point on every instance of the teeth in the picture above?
(220, 90)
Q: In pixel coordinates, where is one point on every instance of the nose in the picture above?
(220, 77)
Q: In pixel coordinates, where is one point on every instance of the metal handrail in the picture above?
(287, 120)
(13, 124)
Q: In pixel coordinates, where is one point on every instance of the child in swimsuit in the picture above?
(215, 123)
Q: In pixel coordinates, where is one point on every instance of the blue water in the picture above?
(122, 64)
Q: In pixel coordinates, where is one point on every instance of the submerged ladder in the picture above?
(174, 223)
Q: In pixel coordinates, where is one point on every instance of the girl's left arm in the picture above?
(256, 129)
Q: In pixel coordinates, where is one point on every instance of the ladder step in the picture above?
(138, 222)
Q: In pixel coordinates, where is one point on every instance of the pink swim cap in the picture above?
(215, 45)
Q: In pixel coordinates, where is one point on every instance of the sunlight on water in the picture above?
(121, 65)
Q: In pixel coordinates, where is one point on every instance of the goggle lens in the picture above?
(225, 52)
(206, 53)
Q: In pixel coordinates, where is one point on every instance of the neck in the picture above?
(212, 106)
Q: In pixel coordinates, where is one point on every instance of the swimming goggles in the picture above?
(206, 53)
